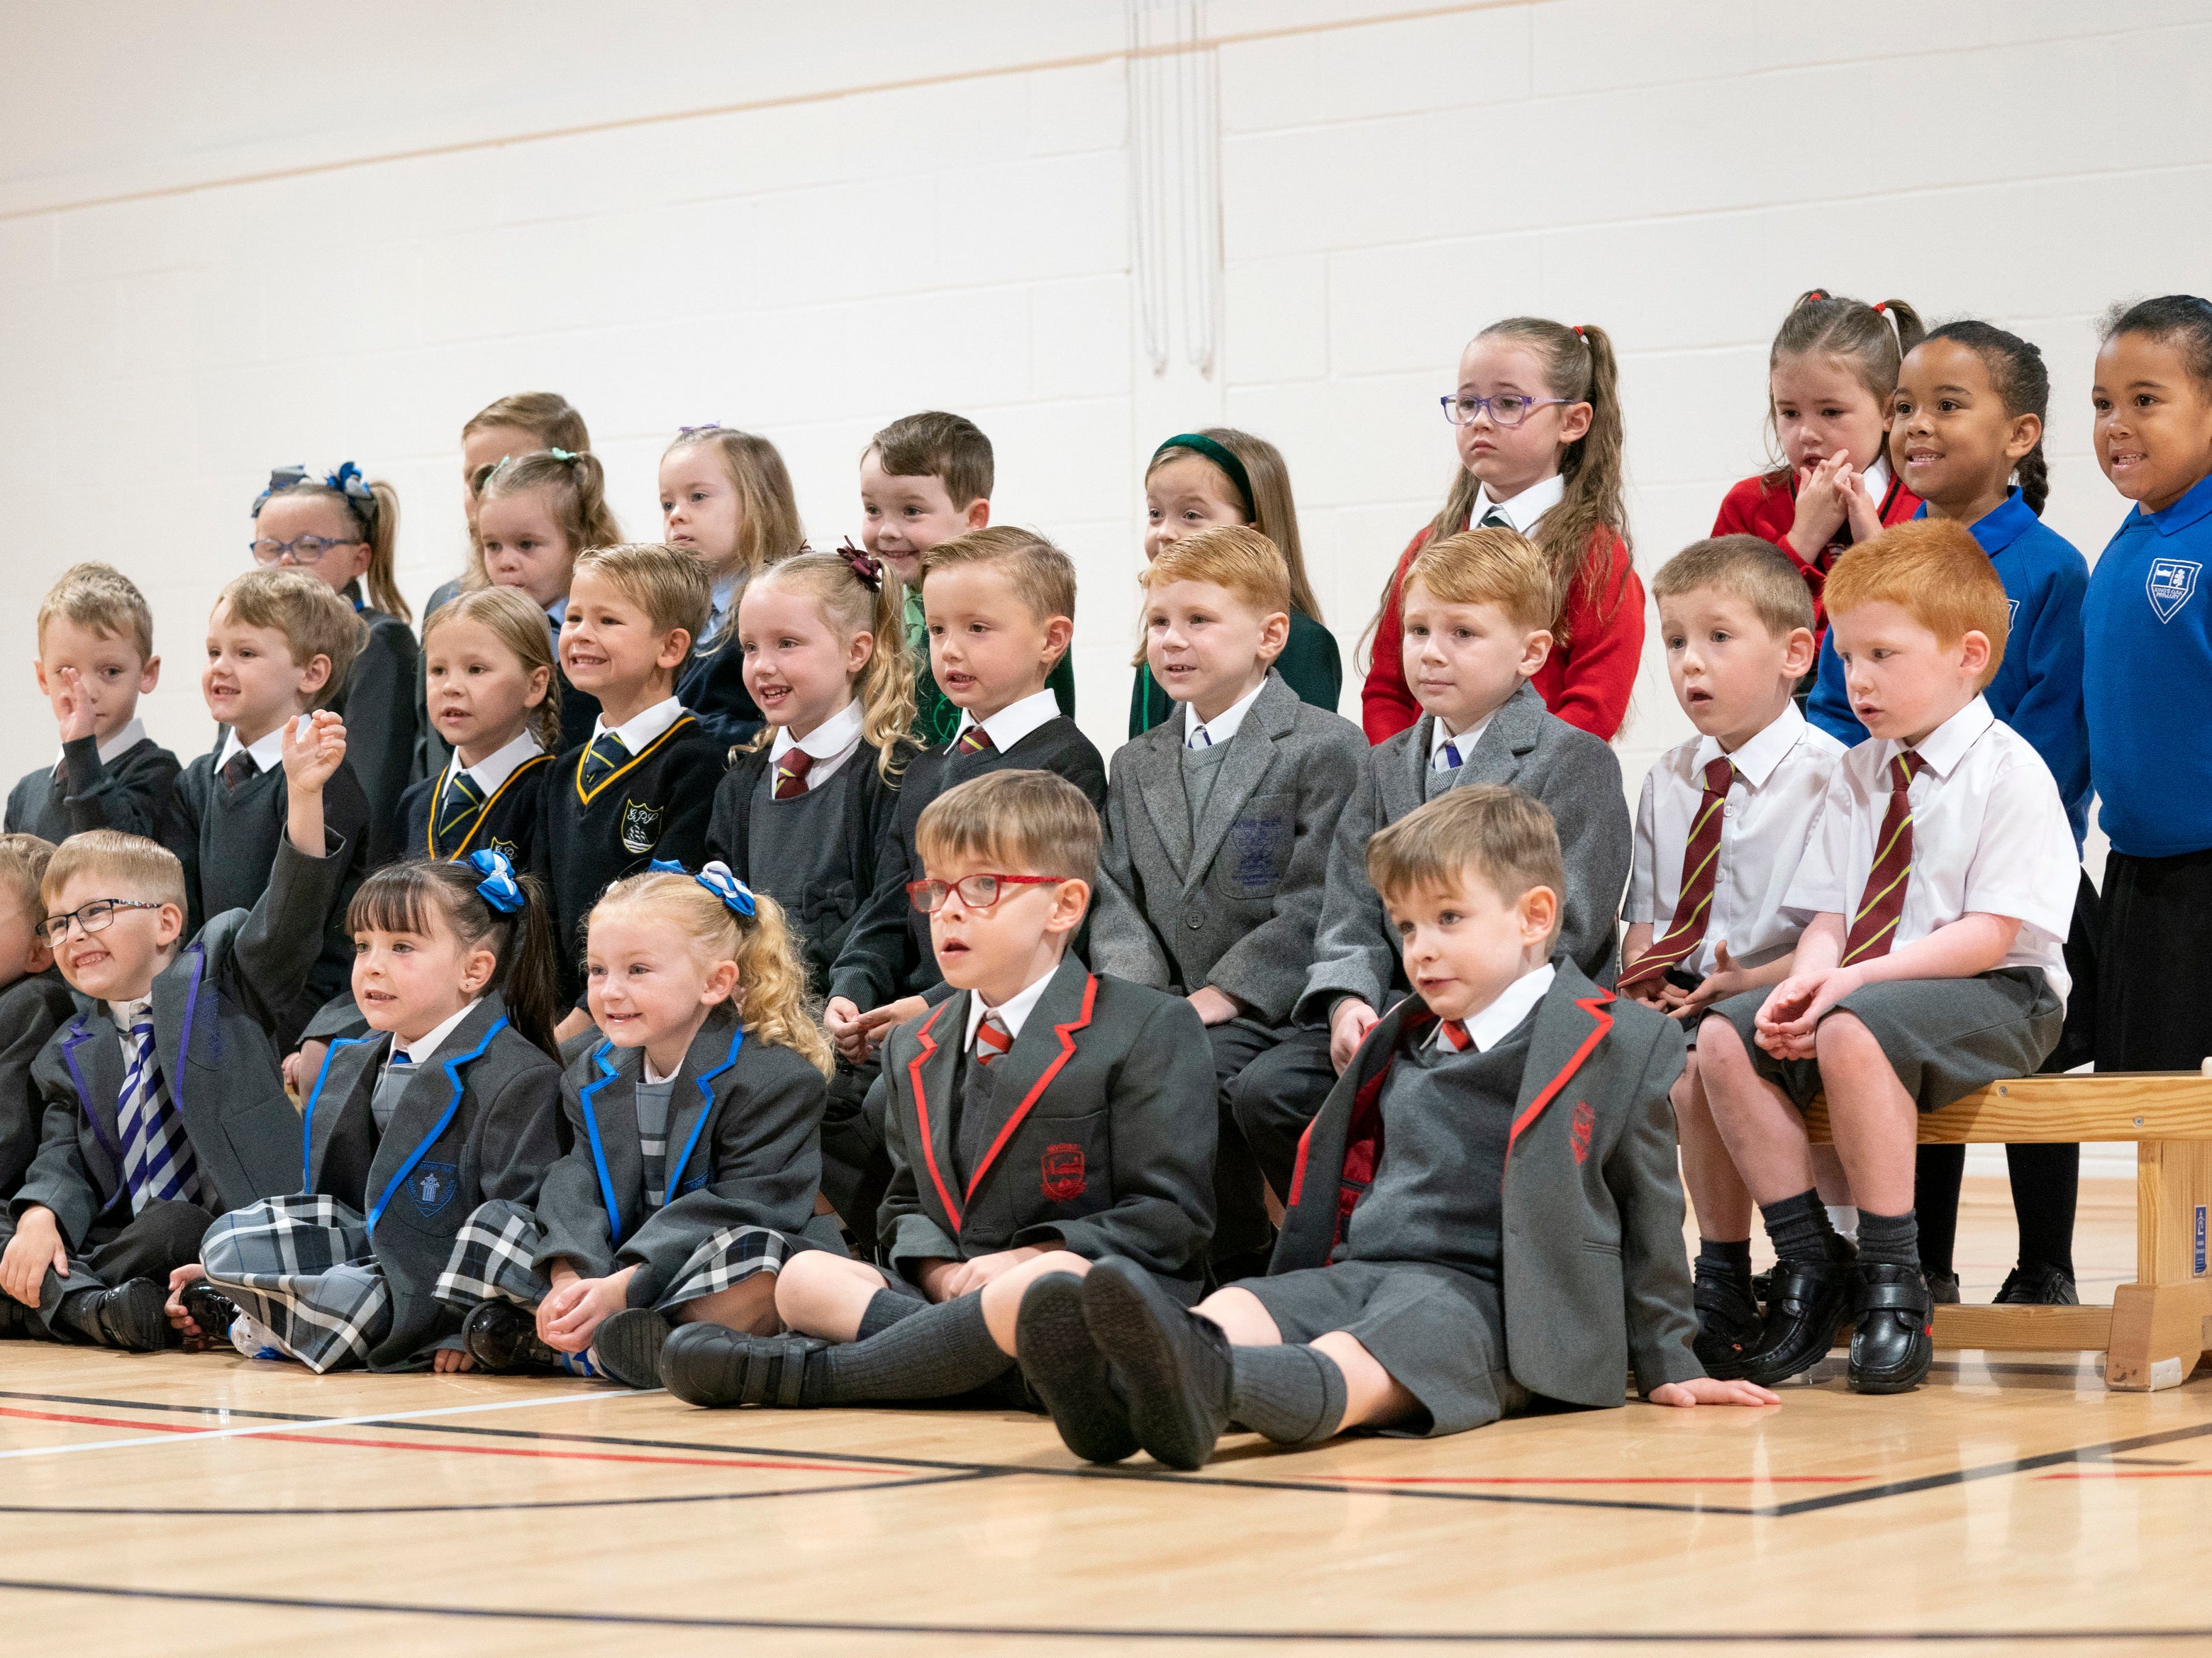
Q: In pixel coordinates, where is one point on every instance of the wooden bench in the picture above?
(2159, 1326)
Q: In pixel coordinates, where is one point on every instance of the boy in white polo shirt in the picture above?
(1724, 819)
(1938, 891)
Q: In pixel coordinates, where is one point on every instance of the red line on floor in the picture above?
(2133, 1473)
(1597, 1479)
(461, 1450)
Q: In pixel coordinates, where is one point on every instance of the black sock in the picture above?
(2046, 1181)
(1889, 1240)
(886, 1308)
(1293, 1394)
(1728, 1257)
(78, 1314)
(933, 1353)
(1936, 1172)
(1798, 1227)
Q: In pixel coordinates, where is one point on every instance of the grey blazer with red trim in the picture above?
(1595, 1280)
(1108, 1150)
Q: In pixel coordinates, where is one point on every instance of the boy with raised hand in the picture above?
(1218, 831)
(1478, 617)
(924, 479)
(1486, 1210)
(164, 1106)
(95, 659)
(1724, 820)
(1039, 1120)
(1936, 895)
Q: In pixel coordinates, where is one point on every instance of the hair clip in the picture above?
(280, 478)
(561, 454)
(1579, 335)
(866, 569)
(498, 888)
(1882, 307)
(686, 431)
(717, 878)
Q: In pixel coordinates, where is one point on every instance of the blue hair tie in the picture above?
(498, 888)
(718, 878)
(346, 481)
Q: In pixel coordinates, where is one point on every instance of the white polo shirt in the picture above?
(1990, 835)
(1781, 777)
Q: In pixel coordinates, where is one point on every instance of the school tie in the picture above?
(1200, 738)
(1701, 864)
(1455, 1032)
(457, 802)
(607, 755)
(1495, 518)
(384, 1102)
(992, 1039)
(974, 740)
(1448, 758)
(239, 770)
(1882, 902)
(157, 1157)
(791, 774)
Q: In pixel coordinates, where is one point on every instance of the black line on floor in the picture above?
(1987, 1471)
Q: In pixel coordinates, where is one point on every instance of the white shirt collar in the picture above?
(832, 739)
(642, 728)
(1756, 760)
(1503, 1016)
(495, 768)
(122, 1013)
(1014, 721)
(722, 596)
(1876, 478)
(1439, 734)
(268, 753)
(650, 1078)
(1224, 725)
(131, 730)
(424, 1048)
(1946, 745)
(1522, 511)
(1014, 1009)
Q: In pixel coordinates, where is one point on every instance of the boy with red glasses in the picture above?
(1038, 1120)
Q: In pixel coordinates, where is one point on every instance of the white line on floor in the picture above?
(200, 1437)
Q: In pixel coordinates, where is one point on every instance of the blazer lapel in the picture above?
(1046, 1042)
(345, 1085)
(609, 1107)
(1251, 752)
(1510, 734)
(95, 1065)
(929, 1086)
(1404, 786)
(1571, 1022)
(698, 1092)
(426, 1103)
(1158, 765)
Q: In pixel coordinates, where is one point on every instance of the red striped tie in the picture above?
(791, 774)
(992, 1039)
(1701, 866)
(1882, 902)
(1456, 1033)
(975, 740)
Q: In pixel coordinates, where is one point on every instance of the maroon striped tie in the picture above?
(1882, 902)
(1701, 866)
(791, 774)
(975, 740)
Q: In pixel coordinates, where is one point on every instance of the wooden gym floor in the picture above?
(178, 1505)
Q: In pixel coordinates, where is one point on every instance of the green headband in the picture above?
(1199, 444)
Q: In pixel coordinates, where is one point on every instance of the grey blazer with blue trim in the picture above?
(744, 1138)
(216, 1006)
(476, 1122)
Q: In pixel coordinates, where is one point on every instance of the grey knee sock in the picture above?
(885, 1308)
(1293, 1394)
(932, 1352)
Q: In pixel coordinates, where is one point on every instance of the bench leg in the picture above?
(2158, 1334)
(2160, 1321)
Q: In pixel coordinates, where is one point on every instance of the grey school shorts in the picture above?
(1944, 1037)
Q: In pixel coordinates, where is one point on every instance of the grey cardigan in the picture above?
(1524, 746)
(1237, 908)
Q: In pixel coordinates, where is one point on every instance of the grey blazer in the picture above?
(745, 1139)
(1236, 908)
(1597, 1280)
(476, 1122)
(215, 1006)
(1524, 746)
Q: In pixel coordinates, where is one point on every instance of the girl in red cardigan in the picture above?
(1829, 377)
(1537, 422)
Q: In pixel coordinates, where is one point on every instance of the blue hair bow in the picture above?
(718, 878)
(347, 481)
(498, 888)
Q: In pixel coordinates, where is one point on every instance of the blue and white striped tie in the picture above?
(1201, 738)
(1448, 756)
(157, 1156)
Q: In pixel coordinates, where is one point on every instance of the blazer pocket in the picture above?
(1256, 850)
(1071, 1165)
(1597, 1248)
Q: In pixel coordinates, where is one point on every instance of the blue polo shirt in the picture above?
(2038, 685)
(2147, 622)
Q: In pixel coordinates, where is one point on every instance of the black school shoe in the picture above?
(627, 1346)
(2038, 1286)
(133, 1316)
(1729, 1321)
(502, 1336)
(1895, 1342)
(1943, 1288)
(213, 1311)
(713, 1365)
(1055, 1350)
(1807, 1300)
(1175, 1366)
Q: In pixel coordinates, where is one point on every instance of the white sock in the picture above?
(1845, 1217)
(253, 1339)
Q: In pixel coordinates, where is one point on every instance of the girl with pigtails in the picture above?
(1536, 420)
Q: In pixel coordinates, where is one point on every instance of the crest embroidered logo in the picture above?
(1063, 1172)
(432, 1186)
(1578, 1133)
(2172, 584)
(640, 827)
(510, 850)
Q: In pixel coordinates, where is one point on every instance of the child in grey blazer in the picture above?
(1486, 1211)
(1218, 823)
(1478, 613)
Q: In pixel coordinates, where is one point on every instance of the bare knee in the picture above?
(1720, 1053)
(1842, 1035)
(1242, 1316)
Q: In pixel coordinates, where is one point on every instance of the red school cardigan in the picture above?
(1587, 684)
(1765, 506)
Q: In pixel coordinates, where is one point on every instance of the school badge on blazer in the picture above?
(1257, 851)
(432, 1186)
(640, 827)
(510, 850)
(1063, 1172)
(2172, 584)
